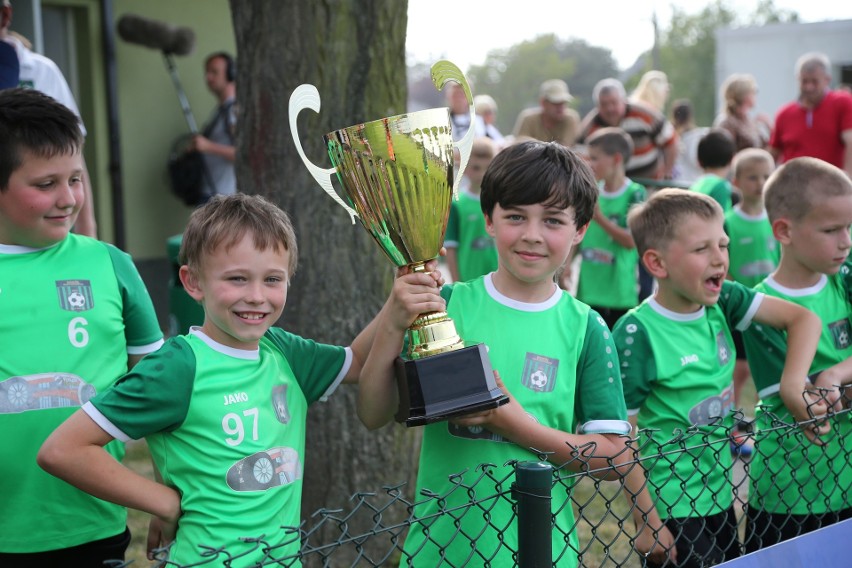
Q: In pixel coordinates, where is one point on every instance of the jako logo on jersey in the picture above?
(687, 359)
(539, 372)
(75, 295)
(235, 398)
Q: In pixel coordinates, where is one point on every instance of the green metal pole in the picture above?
(532, 492)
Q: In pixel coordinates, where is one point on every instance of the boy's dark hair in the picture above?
(796, 186)
(226, 219)
(681, 112)
(653, 223)
(33, 122)
(540, 172)
(611, 141)
(716, 149)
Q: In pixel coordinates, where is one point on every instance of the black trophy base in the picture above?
(446, 385)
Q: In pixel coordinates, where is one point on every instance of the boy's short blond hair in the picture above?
(654, 223)
(795, 187)
(484, 148)
(748, 157)
(226, 219)
(611, 141)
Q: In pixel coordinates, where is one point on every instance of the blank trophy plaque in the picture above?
(397, 177)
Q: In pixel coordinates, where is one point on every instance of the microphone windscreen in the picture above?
(156, 35)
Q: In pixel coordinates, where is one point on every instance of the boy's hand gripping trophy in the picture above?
(397, 174)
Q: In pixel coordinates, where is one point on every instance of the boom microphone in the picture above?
(169, 39)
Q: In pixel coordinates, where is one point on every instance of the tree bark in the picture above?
(354, 53)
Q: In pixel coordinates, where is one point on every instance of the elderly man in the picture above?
(819, 123)
(654, 137)
(552, 120)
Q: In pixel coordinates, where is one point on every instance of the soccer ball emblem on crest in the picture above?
(76, 300)
(538, 379)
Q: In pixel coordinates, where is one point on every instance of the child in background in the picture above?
(228, 438)
(609, 260)
(76, 316)
(798, 486)
(470, 249)
(677, 363)
(554, 354)
(754, 252)
(715, 152)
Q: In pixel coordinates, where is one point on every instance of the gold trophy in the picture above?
(397, 176)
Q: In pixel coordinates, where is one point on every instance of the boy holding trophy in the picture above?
(555, 356)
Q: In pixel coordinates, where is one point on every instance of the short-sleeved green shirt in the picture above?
(71, 315)
(558, 360)
(226, 429)
(790, 474)
(716, 187)
(608, 270)
(476, 252)
(754, 252)
(677, 371)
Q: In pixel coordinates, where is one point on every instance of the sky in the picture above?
(464, 31)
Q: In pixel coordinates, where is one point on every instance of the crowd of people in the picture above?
(749, 269)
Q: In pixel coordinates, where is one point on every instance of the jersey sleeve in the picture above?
(141, 329)
(451, 236)
(318, 367)
(637, 196)
(638, 368)
(739, 304)
(153, 397)
(600, 399)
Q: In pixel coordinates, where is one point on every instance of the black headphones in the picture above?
(230, 64)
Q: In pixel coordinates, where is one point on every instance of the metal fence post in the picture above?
(532, 492)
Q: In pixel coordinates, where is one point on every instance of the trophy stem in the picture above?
(433, 332)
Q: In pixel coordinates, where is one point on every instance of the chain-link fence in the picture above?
(785, 486)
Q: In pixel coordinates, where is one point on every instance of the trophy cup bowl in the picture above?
(397, 175)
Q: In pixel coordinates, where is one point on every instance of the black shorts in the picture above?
(704, 541)
(765, 529)
(610, 315)
(88, 555)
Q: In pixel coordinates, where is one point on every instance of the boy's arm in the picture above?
(74, 452)
(803, 329)
(619, 234)
(412, 294)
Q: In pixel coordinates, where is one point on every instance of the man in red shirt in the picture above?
(819, 123)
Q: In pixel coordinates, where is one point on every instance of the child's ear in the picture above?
(189, 279)
(489, 225)
(781, 230)
(581, 232)
(655, 264)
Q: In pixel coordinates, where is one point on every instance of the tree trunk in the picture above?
(354, 53)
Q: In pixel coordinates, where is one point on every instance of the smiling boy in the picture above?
(677, 359)
(229, 438)
(555, 356)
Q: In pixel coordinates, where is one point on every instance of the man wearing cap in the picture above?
(552, 120)
(654, 137)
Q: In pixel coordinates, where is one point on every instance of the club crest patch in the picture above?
(75, 295)
(539, 372)
(840, 333)
(279, 403)
(723, 349)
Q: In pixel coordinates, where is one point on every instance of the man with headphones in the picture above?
(216, 141)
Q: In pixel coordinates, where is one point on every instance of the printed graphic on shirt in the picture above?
(279, 403)
(43, 391)
(482, 243)
(539, 372)
(722, 348)
(757, 268)
(75, 295)
(840, 332)
(712, 409)
(265, 470)
(598, 256)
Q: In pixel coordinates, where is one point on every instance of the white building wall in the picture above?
(770, 53)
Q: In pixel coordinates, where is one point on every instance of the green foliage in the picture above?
(513, 76)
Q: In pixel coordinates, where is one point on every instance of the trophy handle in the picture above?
(443, 71)
(307, 96)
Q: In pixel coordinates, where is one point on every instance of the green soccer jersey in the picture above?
(608, 270)
(226, 429)
(71, 315)
(466, 232)
(716, 187)
(558, 360)
(677, 371)
(754, 252)
(792, 475)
